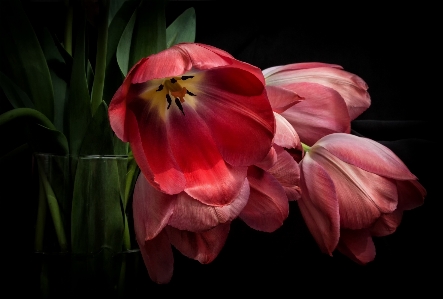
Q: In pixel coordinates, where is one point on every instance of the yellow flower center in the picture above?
(174, 89)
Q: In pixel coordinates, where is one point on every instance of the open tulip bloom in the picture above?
(217, 139)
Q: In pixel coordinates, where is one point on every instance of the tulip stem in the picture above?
(306, 147)
(68, 28)
(100, 61)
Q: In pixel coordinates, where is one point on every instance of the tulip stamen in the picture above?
(174, 89)
(179, 105)
(168, 99)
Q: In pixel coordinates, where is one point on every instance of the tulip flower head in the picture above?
(316, 98)
(354, 188)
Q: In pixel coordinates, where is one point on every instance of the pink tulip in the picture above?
(195, 118)
(316, 98)
(354, 188)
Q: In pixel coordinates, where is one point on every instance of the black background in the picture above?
(394, 49)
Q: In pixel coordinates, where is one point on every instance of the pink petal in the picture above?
(152, 149)
(297, 66)
(267, 206)
(191, 215)
(168, 63)
(151, 208)
(208, 178)
(321, 113)
(281, 99)
(285, 135)
(366, 154)
(357, 245)
(411, 194)
(203, 246)
(158, 258)
(350, 86)
(205, 57)
(287, 173)
(234, 105)
(269, 160)
(318, 205)
(362, 196)
(387, 224)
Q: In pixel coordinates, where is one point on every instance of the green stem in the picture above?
(54, 210)
(41, 217)
(306, 148)
(68, 28)
(100, 61)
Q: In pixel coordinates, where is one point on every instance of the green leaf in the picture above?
(182, 29)
(99, 135)
(45, 140)
(124, 46)
(149, 34)
(145, 34)
(24, 57)
(118, 25)
(16, 96)
(79, 108)
(97, 212)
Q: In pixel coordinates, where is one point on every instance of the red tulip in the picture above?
(195, 118)
(199, 230)
(316, 98)
(354, 188)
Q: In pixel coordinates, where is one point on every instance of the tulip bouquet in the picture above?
(212, 139)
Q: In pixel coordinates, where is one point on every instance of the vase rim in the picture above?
(85, 156)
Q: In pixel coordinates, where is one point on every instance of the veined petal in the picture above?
(268, 161)
(287, 173)
(411, 194)
(151, 208)
(168, 63)
(281, 98)
(350, 86)
(319, 205)
(209, 178)
(386, 224)
(357, 245)
(362, 196)
(297, 66)
(267, 206)
(321, 113)
(366, 154)
(151, 145)
(205, 57)
(191, 215)
(202, 246)
(158, 258)
(285, 135)
(233, 100)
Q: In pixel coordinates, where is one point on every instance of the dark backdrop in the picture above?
(395, 51)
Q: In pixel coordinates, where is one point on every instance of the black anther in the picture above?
(168, 98)
(190, 93)
(160, 87)
(179, 105)
(187, 77)
(173, 80)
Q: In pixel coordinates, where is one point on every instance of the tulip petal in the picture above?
(297, 66)
(152, 145)
(411, 194)
(151, 208)
(350, 86)
(362, 196)
(267, 206)
(285, 135)
(192, 215)
(357, 245)
(366, 154)
(233, 100)
(321, 113)
(387, 224)
(281, 98)
(158, 258)
(208, 178)
(269, 160)
(319, 205)
(202, 246)
(287, 173)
